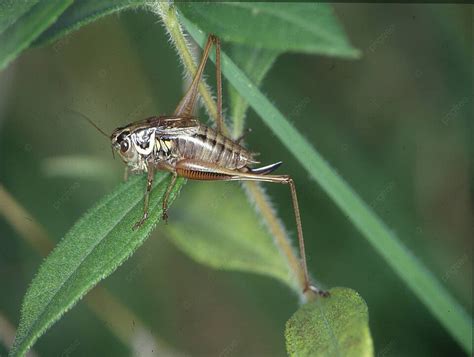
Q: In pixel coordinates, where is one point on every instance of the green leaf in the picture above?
(337, 325)
(11, 10)
(226, 234)
(94, 247)
(415, 275)
(298, 27)
(255, 62)
(82, 13)
(19, 36)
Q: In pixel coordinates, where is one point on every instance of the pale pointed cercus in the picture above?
(183, 146)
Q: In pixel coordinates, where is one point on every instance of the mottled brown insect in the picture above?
(183, 146)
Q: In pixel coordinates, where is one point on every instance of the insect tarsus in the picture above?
(183, 146)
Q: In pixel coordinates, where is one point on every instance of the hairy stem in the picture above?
(170, 19)
(275, 226)
(172, 25)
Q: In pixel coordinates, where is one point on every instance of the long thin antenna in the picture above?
(90, 121)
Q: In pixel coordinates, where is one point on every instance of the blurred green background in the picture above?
(396, 124)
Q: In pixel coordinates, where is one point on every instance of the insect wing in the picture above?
(173, 127)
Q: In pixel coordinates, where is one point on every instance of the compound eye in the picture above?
(124, 146)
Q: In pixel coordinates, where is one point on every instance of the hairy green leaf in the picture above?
(82, 13)
(300, 27)
(30, 25)
(11, 10)
(337, 325)
(417, 277)
(94, 247)
(225, 232)
(255, 62)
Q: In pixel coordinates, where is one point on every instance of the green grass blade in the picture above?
(255, 62)
(94, 247)
(422, 282)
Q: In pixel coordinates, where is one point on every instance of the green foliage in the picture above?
(82, 13)
(298, 27)
(225, 234)
(422, 282)
(10, 11)
(94, 247)
(28, 24)
(255, 63)
(102, 239)
(334, 326)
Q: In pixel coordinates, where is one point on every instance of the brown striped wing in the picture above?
(172, 127)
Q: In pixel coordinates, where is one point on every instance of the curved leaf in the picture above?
(19, 36)
(82, 13)
(226, 234)
(10, 11)
(300, 27)
(418, 278)
(337, 325)
(94, 247)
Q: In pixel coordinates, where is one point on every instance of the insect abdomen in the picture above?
(209, 146)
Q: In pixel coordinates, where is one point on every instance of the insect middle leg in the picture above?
(197, 170)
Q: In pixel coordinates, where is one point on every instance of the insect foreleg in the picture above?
(149, 184)
(126, 173)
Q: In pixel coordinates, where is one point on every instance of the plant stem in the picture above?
(409, 268)
(168, 14)
(277, 231)
(172, 25)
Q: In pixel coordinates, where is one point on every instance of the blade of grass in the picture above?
(418, 278)
(257, 196)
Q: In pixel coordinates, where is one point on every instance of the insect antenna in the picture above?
(90, 121)
(93, 124)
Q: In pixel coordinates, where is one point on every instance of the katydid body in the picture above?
(183, 146)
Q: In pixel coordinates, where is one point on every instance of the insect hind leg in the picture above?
(198, 170)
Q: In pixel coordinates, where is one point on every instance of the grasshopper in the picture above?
(182, 145)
